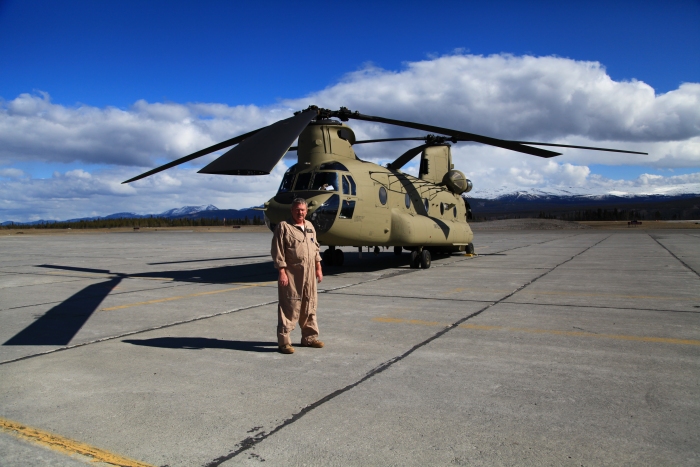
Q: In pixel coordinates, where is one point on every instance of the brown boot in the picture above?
(286, 349)
(316, 344)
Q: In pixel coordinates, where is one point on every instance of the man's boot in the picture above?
(286, 349)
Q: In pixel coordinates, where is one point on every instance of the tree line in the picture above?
(140, 222)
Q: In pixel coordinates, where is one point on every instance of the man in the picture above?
(295, 253)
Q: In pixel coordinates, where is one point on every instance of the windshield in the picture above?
(288, 179)
(303, 181)
(325, 181)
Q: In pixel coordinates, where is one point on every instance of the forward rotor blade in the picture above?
(582, 147)
(462, 135)
(259, 154)
(195, 155)
(404, 158)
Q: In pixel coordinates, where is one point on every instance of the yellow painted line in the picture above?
(178, 297)
(408, 321)
(481, 327)
(66, 445)
(587, 294)
(574, 294)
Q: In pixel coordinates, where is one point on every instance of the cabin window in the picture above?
(348, 185)
(442, 209)
(382, 195)
(454, 211)
(407, 200)
(426, 203)
(325, 181)
(347, 135)
(303, 181)
(347, 209)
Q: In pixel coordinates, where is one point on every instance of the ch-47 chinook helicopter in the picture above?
(352, 202)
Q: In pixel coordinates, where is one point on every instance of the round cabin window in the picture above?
(407, 201)
(442, 209)
(382, 195)
(426, 204)
(454, 211)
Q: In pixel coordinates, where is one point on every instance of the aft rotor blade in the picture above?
(404, 158)
(259, 154)
(462, 135)
(195, 155)
(582, 147)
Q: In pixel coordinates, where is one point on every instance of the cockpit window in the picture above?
(303, 181)
(288, 179)
(325, 181)
(332, 166)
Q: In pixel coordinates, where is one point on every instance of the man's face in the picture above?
(298, 213)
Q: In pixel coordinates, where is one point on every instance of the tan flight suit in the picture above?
(296, 250)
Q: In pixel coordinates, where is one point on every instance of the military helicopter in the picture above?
(356, 203)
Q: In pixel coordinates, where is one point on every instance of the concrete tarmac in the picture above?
(577, 347)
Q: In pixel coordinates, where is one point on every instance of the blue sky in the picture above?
(100, 55)
(114, 53)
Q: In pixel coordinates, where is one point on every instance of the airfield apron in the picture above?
(296, 250)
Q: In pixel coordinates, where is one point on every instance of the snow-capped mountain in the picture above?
(623, 192)
(187, 210)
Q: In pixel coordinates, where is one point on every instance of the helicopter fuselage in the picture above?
(357, 203)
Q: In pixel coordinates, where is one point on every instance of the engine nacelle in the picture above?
(457, 182)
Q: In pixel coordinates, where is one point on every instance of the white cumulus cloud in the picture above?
(548, 99)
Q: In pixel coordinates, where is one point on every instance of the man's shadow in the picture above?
(198, 343)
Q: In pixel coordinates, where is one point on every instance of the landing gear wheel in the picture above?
(425, 259)
(470, 249)
(397, 250)
(415, 259)
(338, 257)
(328, 258)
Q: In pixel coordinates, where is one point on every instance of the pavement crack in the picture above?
(131, 333)
(250, 442)
(674, 255)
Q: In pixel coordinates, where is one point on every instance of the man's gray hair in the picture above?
(298, 201)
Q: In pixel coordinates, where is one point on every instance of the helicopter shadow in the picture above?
(59, 325)
(200, 343)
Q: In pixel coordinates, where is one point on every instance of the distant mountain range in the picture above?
(190, 212)
(586, 206)
(532, 203)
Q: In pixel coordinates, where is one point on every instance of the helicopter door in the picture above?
(347, 207)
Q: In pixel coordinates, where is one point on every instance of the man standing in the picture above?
(295, 253)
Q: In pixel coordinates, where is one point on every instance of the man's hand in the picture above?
(319, 273)
(283, 279)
